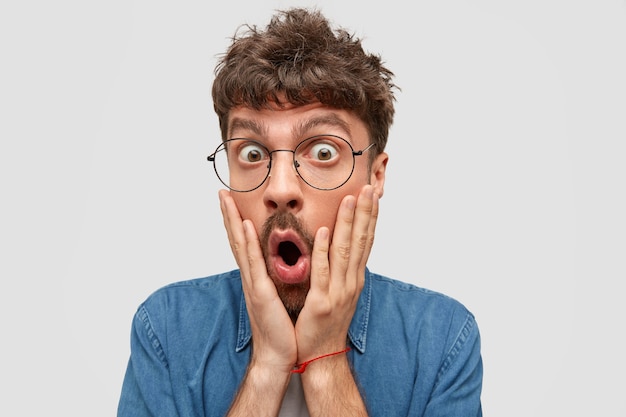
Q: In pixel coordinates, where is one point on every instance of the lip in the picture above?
(289, 274)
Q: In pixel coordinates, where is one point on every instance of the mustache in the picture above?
(285, 221)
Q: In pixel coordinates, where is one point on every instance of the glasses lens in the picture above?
(324, 162)
(241, 164)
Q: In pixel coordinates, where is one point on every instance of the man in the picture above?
(302, 327)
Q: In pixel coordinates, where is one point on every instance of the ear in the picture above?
(377, 176)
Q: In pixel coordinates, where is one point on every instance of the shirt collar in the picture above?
(357, 333)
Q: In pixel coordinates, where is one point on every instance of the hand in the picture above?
(274, 342)
(337, 276)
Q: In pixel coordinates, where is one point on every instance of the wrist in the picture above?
(261, 392)
(271, 380)
(325, 375)
(265, 368)
(301, 366)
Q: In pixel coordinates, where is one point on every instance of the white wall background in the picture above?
(506, 184)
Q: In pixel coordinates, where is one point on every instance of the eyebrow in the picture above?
(299, 131)
(330, 119)
(247, 124)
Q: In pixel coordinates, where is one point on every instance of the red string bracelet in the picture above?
(300, 368)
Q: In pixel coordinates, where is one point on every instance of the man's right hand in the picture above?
(273, 334)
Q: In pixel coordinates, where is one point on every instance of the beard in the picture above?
(292, 296)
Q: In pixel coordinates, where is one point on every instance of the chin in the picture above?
(293, 296)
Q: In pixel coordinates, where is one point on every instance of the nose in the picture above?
(283, 190)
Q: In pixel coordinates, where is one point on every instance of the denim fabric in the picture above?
(414, 352)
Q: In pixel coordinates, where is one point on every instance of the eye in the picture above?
(323, 151)
(252, 152)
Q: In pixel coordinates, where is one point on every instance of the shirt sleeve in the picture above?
(146, 390)
(459, 381)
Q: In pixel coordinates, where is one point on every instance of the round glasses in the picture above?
(324, 162)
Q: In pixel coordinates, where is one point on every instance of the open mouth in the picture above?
(289, 251)
(290, 256)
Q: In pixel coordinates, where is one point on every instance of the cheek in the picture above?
(330, 207)
(321, 211)
(248, 207)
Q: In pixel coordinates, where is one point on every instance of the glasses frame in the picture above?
(296, 164)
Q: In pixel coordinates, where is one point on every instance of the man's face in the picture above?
(286, 211)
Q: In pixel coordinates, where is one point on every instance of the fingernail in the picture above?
(350, 203)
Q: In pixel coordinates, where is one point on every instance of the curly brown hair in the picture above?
(300, 56)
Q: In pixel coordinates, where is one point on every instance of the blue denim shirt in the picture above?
(414, 352)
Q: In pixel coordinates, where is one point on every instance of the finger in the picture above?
(342, 236)
(360, 234)
(224, 197)
(349, 239)
(246, 248)
(255, 260)
(371, 231)
(320, 267)
(234, 230)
